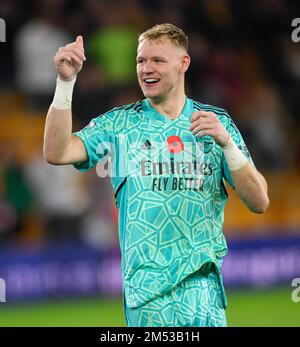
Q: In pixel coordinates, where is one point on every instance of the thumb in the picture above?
(79, 41)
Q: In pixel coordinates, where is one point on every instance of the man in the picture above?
(169, 157)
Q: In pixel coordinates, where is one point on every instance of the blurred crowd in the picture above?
(243, 60)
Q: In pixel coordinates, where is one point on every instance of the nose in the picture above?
(147, 67)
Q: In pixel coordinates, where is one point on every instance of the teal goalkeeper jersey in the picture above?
(169, 188)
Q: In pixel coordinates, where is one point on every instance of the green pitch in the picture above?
(245, 308)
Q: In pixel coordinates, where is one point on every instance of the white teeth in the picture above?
(149, 80)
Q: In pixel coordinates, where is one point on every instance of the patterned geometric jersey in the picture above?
(169, 187)
(197, 301)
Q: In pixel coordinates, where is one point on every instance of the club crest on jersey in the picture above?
(208, 145)
(207, 141)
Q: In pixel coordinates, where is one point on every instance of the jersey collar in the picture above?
(151, 112)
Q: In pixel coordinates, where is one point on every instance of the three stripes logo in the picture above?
(147, 145)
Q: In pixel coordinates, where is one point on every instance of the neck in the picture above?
(170, 108)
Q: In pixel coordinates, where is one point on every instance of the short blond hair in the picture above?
(166, 30)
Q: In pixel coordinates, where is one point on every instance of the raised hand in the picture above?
(69, 59)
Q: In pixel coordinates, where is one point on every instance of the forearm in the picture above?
(57, 136)
(58, 127)
(251, 188)
(249, 183)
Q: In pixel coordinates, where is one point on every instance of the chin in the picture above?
(151, 95)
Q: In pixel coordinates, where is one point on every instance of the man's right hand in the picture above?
(69, 59)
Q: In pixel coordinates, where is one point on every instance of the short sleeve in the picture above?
(238, 139)
(98, 138)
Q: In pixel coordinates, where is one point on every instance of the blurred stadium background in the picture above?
(59, 250)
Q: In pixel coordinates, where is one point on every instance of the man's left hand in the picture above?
(207, 123)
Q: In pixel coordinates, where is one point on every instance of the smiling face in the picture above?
(161, 66)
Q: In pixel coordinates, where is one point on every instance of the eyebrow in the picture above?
(155, 57)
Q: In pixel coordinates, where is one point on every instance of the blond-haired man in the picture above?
(169, 156)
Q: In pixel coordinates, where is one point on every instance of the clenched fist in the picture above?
(69, 59)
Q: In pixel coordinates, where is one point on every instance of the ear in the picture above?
(185, 63)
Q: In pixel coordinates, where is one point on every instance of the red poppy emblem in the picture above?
(175, 144)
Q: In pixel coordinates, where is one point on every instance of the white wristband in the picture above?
(234, 156)
(63, 94)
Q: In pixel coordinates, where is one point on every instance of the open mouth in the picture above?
(151, 81)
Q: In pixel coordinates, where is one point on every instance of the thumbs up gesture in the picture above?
(69, 59)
